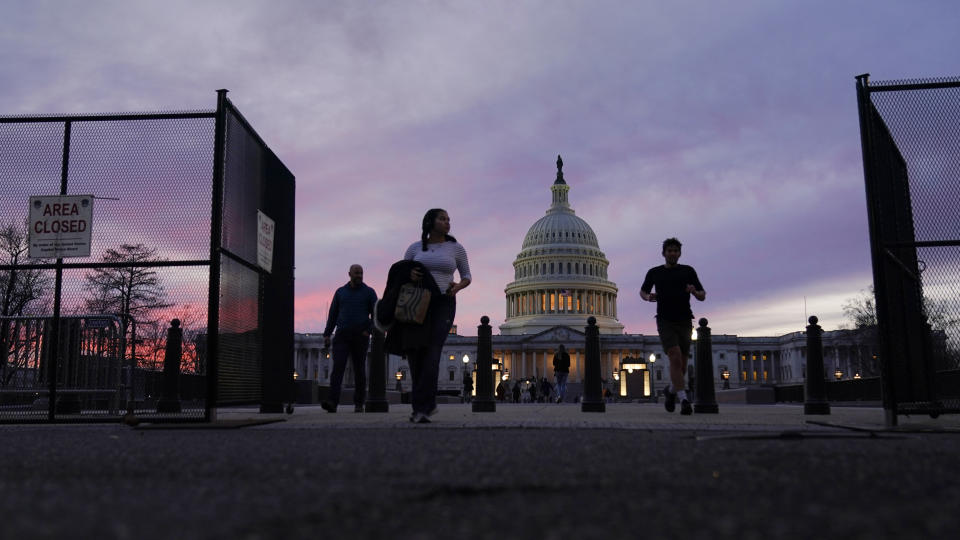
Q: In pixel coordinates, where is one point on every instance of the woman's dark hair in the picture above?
(427, 225)
(671, 242)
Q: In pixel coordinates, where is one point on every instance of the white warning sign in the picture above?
(265, 229)
(60, 226)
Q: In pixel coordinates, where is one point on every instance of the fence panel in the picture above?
(911, 137)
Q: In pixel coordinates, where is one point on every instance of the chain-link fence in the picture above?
(910, 132)
(173, 235)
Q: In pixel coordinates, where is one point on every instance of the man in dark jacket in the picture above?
(351, 312)
(561, 370)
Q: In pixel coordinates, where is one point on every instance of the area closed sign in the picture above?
(60, 226)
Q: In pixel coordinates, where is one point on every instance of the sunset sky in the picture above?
(729, 124)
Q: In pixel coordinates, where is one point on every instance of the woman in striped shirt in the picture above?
(442, 255)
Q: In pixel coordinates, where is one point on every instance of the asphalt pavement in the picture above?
(525, 471)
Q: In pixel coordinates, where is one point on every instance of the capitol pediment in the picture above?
(556, 334)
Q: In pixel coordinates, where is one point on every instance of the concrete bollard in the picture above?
(592, 386)
(484, 401)
(170, 387)
(815, 389)
(376, 376)
(706, 401)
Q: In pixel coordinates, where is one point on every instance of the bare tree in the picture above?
(134, 292)
(24, 291)
(861, 311)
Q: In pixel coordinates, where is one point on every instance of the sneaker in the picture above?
(414, 416)
(329, 407)
(358, 408)
(423, 419)
(559, 400)
(433, 411)
(670, 401)
(685, 408)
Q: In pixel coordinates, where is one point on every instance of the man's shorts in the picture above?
(675, 334)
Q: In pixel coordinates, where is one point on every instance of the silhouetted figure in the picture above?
(561, 370)
(467, 387)
(673, 284)
(441, 254)
(351, 313)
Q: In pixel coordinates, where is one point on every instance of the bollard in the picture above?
(377, 376)
(170, 387)
(592, 386)
(815, 389)
(484, 401)
(706, 401)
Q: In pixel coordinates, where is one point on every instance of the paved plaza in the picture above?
(526, 471)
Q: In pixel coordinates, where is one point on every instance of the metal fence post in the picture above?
(706, 401)
(216, 232)
(484, 401)
(592, 386)
(815, 399)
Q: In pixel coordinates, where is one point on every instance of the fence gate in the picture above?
(177, 198)
(910, 133)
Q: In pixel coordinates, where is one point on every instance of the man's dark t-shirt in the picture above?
(673, 300)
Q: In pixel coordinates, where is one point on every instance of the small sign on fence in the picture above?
(60, 226)
(265, 229)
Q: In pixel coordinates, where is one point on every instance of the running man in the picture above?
(673, 284)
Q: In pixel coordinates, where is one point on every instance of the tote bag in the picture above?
(412, 304)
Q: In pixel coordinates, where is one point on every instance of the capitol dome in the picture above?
(560, 274)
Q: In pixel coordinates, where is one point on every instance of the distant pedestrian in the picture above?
(673, 284)
(442, 255)
(516, 392)
(561, 370)
(351, 313)
(467, 387)
(546, 389)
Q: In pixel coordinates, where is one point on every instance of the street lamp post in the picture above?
(463, 380)
(653, 390)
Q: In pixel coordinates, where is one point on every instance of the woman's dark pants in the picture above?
(425, 363)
